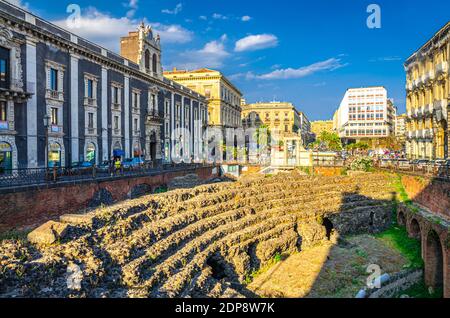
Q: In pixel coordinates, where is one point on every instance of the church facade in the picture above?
(64, 99)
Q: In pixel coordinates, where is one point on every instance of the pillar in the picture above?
(31, 104)
(74, 104)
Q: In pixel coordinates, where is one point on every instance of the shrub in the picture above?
(362, 164)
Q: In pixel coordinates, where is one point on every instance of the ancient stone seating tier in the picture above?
(199, 242)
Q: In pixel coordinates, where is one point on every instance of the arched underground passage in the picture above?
(401, 219)
(414, 229)
(329, 227)
(434, 262)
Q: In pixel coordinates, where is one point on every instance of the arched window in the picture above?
(5, 157)
(91, 153)
(147, 59)
(155, 63)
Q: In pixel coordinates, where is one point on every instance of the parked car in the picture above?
(132, 163)
(403, 164)
(80, 167)
(422, 163)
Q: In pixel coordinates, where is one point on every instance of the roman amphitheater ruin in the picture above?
(200, 242)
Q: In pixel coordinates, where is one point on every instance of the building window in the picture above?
(90, 153)
(136, 125)
(155, 63)
(3, 111)
(116, 122)
(4, 65)
(91, 120)
(90, 88)
(54, 116)
(116, 95)
(54, 79)
(147, 59)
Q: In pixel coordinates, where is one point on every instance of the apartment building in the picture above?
(428, 92)
(365, 113)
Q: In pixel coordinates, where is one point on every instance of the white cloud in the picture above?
(386, 59)
(246, 18)
(256, 42)
(289, 73)
(212, 55)
(107, 30)
(219, 16)
(133, 6)
(178, 8)
(19, 3)
(203, 17)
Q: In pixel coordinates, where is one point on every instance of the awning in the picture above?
(119, 153)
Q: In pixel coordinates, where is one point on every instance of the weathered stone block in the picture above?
(48, 233)
(311, 233)
(77, 219)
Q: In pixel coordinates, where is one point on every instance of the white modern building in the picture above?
(365, 113)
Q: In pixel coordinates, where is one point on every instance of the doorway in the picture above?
(5, 158)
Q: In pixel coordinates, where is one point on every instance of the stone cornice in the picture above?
(43, 35)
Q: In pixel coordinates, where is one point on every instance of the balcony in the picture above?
(409, 87)
(428, 133)
(56, 95)
(92, 102)
(116, 106)
(91, 131)
(417, 82)
(410, 134)
(428, 76)
(55, 129)
(441, 68)
(153, 116)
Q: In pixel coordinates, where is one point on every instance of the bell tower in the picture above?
(143, 48)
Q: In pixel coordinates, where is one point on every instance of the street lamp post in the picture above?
(46, 126)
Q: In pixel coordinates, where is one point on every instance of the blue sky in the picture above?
(305, 52)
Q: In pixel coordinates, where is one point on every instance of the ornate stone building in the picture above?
(224, 99)
(427, 90)
(64, 99)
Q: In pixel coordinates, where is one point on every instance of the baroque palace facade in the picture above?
(224, 99)
(64, 99)
(428, 92)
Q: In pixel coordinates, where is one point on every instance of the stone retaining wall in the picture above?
(23, 210)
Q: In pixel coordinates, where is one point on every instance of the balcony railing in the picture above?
(441, 68)
(91, 131)
(55, 94)
(55, 129)
(88, 101)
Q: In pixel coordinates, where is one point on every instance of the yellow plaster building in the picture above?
(224, 99)
(427, 89)
(317, 127)
(275, 115)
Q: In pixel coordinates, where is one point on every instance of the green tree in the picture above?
(327, 141)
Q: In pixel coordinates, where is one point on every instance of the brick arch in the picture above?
(434, 260)
(401, 218)
(414, 229)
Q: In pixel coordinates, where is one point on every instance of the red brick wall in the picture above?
(328, 171)
(433, 194)
(23, 210)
